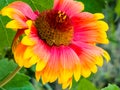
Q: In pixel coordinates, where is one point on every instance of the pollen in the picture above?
(61, 17)
(54, 27)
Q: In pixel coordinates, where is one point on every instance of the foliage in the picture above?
(90, 5)
(19, 82)
(83, 84)
(109, 73)
(117, 8)
(6, 67)
(111, 87)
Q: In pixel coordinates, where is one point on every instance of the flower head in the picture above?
(60, 41)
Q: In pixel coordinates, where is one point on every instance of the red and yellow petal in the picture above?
(27, 41)
(24, 8)
(31, 61)
(24, 56)
(15, 25)
(103, 26)
(58, 67)
(70, 7)
(70, 65)
(40, 65)
(13, 13)
(68, 83)
(18, 21)
(90, 27)
(51, 70)
(90, 56)
(98, 16)
(18, 54)
(77, 72)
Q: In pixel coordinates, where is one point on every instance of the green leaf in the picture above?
(4, 3)
(19, 82)
(40, 5)
(93, 6)
(117, 8)
(6, 67)
(111, 87)
(6, 35)
(83, 84)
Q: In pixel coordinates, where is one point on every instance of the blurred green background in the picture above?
(108, 74)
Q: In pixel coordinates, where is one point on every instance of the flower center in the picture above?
(54, 27)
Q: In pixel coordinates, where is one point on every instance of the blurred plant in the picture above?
(110, 73)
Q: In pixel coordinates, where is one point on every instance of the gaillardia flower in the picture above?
(60, 41)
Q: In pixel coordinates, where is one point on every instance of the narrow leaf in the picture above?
(6, 67)
(93, 6)
(19, 82)
(83, 84)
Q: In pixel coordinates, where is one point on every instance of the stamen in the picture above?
(60, 15)
(64, 17)
(63, 13)
(59, 12)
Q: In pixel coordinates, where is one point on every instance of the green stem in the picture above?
(9, 77)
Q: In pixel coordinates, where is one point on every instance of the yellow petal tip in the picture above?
(99, 16)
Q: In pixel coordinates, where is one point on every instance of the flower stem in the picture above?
(10, 76)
